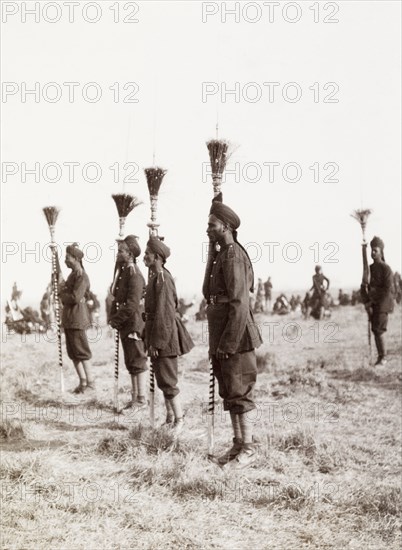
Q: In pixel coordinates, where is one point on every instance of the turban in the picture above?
(158, 247)
(224, 213)
(74, 251)
(377, 242)
(133, 246)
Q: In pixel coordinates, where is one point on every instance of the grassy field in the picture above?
(76, 475)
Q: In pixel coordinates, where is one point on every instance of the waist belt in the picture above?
(147, 316)
(218, 299)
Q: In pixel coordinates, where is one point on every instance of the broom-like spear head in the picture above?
(218, 156)
(124, 204)
(154, 178)
(362, 216)
(51, 215)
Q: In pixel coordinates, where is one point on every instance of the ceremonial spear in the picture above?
(125, 204)
(51, 214)
(154, 178)
(362, 216)
(218, 155)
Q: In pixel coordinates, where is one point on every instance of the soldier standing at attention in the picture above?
(166, 338)
(75, 317)
(379, 299)
(233, 335)
(126, 316)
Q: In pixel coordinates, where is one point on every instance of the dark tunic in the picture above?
(381, 287)
(126, 315)
(128, 293)
(163, 329)
(72, 295)
(231, 324)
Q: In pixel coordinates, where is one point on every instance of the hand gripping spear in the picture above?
(154, 178)
(51, 214)
(218, 155)
(362, 216)
(124, 204)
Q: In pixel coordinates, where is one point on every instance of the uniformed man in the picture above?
(166, 338)
(379, 299)
(75, 317)
(126, 316)
(233, 335)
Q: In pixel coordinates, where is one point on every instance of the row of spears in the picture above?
(126, 203)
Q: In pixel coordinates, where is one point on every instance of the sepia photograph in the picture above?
(201, 283)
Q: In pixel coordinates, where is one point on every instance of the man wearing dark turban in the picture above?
(75, 317)
(379, 299)
(233, 335)
(126, 316)
(166, 338)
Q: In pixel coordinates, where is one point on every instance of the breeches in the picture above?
(379, 322)
(236, 377)
(77, 344)
(165, 369)
(135, 357)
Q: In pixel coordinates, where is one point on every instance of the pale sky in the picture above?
(169, 54)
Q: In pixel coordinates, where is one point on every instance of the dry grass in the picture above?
(327, 474)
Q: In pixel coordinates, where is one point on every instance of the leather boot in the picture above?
(244, 459)
(178, 415)
(169, 413)
(232, 453)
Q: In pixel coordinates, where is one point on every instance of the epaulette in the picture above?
(231, 251)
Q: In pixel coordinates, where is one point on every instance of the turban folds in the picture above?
(224, 213)
(133, 246)
(377, 242)
(74, 251)
(158, 247)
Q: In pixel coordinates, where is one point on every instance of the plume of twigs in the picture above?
(124, 204)
(51, 215)
(154, 177)
(218, 156)
(362, 216)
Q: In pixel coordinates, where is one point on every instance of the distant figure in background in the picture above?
(15, 293)
(343, 298)
(201, 314)
(296, 304)
(378, 300)
(75, 318)
(268, 294)
(46, 308)
(93, 307)
(320, 287)
(356, 297)
(108, 305)
(397, 287)
(182, 307)
(281, 305)
(306, 307)
(259, 301)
